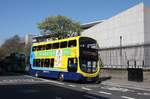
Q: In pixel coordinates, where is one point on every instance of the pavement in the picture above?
(127, 84)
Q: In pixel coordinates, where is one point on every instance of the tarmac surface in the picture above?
(28, 87)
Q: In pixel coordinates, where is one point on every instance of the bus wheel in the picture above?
(61, 77)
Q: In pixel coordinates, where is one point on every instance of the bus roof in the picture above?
(61, 40)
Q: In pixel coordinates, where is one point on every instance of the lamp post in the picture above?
(120, 50)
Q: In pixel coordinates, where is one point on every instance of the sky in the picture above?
(22, 16)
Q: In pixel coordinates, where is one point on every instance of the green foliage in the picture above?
(11, 56)
(11, 45)
(59, 26)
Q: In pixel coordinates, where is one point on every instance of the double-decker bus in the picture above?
(74, 58)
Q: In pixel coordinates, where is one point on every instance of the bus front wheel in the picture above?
(61, 77)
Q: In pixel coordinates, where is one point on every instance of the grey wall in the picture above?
(129, 24)
(147, 35)
(133, 25)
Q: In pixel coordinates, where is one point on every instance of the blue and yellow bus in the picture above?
(74, 58)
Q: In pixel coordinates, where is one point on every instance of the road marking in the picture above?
(55, 82)
(72, 85)
(58, 97)
(139, 94)
(86, 88)
(4, 80)
(146, 94)
(13, 81)
(91, 97)
(10, 81)
(126, 86)
(103, 87)
(103, 92)
(117, 89)
(30, 91)
(125, 97)
(45, 80)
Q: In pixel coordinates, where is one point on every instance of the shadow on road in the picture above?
(82, 82)
(105, 78)
(12, 74)
(39, 91)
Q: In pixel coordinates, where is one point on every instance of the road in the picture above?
(28, 87)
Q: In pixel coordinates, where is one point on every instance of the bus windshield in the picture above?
(88, 65)
(86, 42)
(88, 55)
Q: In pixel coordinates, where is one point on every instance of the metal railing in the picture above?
(133, 56)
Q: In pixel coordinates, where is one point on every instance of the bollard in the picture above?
(135, 64)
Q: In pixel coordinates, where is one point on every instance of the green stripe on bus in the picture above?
(50, 53)
(46, 53)
(66, 52)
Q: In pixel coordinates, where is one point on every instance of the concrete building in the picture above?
(28, 38)
(124, 39)
(91, 24)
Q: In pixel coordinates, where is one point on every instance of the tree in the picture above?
(11, 45)
(59, 26)
(11, 54)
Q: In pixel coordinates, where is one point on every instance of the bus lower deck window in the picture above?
(47, 62)
(51, 63)
(38, 62)
(34, 62)
(42, 62)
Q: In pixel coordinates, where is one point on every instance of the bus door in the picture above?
(72, 65)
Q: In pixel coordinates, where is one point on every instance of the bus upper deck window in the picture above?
(55, 46)
(72, 43)
(48, 46)
(34, 48)
(43, 47)
(63, 44)
(39, 47)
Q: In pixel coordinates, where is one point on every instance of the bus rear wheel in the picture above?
(61, 77)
